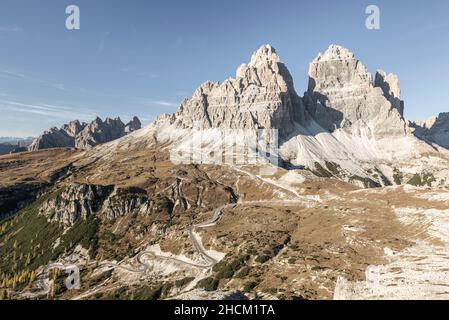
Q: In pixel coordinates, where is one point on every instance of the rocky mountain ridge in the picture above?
(342, 94)
(84, 136)
(14, 145)
(260, 96)
(347, 118)
(435, 129)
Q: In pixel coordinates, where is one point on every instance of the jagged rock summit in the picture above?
(84, 136)
(133, 125)
(98, 132)
(261, 96)
(435, 129)
(342, 94)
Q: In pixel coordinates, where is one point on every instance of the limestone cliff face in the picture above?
(84, 136)
(261, 96)
(77, 202)
(341, 94)
(52, 138)
(435, 129)
(389, 83)
(74, 203)
(98, 132)
(74, 127)
(133, 125)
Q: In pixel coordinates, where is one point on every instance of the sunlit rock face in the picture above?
(341, 94)
(84, 136)
(435, 129)
(261, 96)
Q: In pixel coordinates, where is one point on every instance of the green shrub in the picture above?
(397, 176)
(333, 167)
(415, 180)
(270, 290)
(262, 258)
(144, 293)
(243, 272)
(226, 270)
(428, 178)
(250, 285)
(226, 273)
(420, 180)
(183, 282)
(321, 172)
(208, 284)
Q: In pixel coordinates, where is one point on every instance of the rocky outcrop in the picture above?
(98, 132)
(435, 129)
(53, 138)
(133, 125)
(341, 94)
(70, 203)
(261, 96)
(84, 136)
(389, 83)
(127, 201)
(74, 127)
(425, 124)
(75, 202)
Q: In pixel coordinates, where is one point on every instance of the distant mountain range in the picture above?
(14, 144)
(84, 136)
(16, 140)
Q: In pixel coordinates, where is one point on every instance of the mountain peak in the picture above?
(335, 52)
(265, 54)
(84, 136)
(266, 68)
(389, 83)
(347, 96)
(261, 96)
(335, 69)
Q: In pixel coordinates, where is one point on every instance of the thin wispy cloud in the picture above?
(47, 110)
(20, 76)
(165, 103)
(10, 29)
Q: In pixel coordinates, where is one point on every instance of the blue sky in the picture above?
(139, 57)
